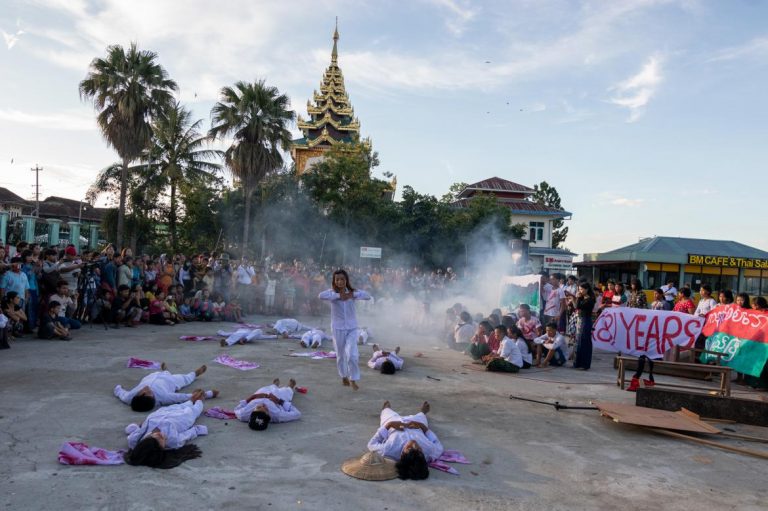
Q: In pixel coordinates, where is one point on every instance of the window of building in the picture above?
(536, 232)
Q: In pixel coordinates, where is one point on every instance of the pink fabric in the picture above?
(78, 453)
(316, 355)
(143, 364)
(449, 457)
(242, 365)
(197, 338)
(219, 413)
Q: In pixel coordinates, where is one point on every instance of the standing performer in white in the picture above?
(344, 325)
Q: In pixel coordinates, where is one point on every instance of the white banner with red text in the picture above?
(645, 332)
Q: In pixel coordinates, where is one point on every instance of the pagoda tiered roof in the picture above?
(331, 116)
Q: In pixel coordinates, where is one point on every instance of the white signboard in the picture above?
(562, 263)
(370, 252)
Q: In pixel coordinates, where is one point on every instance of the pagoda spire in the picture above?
(335, 52)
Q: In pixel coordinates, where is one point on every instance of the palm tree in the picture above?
(257, 117)
(128, 89)
(177, 156)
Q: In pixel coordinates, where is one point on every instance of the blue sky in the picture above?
(649, 116)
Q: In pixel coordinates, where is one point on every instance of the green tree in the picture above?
(177, 155)
(453, 192)
(547, 195)
(257, 117)
(128, 89)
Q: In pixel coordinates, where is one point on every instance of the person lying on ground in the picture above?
(313, 338)
(288, 326)
(508, 359)
(159, 389)
(161, 440)
(385, 361)
(272, 403)
(407, 440)
(552, 346)
(243, 335)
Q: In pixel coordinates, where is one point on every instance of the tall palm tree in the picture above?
(128, 89)
(257, 117)
(177, 155)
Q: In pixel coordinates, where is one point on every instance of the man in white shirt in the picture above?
(670, 293)
(272, 403)
(463, 331)
(553, 346)
(508, 359)
(555, 305)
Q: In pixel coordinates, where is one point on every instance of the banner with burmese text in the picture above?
(741, 334)
(644, 332)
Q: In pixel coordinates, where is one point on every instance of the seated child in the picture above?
(508, 358)
(553, 346)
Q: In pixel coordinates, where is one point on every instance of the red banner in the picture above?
(735, 321)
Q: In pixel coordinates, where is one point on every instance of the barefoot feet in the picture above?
(292, 383)
(397, 350)
(276, 381)
(386, 405)
(200, 370)
(354, 385)
(425, 408)
(163, 367)
(214, 393)
(345, 381)
(223, 343)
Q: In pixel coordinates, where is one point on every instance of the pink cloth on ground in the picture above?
(449, 457)
(78, 453)
(219, 413)
(242, 365)
(196, 338)
(315, 355)
(143, 364)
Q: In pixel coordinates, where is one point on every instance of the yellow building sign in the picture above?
(728, 262)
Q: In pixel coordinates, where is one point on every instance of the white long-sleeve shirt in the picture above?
(390, 442)
(509, 351)
(377, 360)
(290, 326)
(176, 422)
(285, 413)
(314, 336)
(524, 351)
(343, 316)
(164, 386)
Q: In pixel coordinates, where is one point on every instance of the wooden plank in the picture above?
(650, 417)
(703, 441)
(738, 409)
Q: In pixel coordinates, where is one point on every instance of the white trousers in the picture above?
(345, 344)
(389, 415)
(182, 380)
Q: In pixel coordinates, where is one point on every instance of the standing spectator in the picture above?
(125, 272)
(585, 304)
(685, 304)
(743, 301)
(15, 280)
(619, 298)
(659, 303)
(555, 304)
(706, 302)
(637, 298)
(670, 293)
(69, 268)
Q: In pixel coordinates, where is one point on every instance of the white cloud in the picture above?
(636, 92)
(756, 48)
(624, 201)
(11, 39)
(70, 121)
(460, 15)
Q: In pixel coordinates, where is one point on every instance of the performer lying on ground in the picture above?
(385, 361)
(159, 441)
(553, 346)
(288, 327)
(407, 440)
(272, 403)
(244, 335)
(313, 338)
(159, 389)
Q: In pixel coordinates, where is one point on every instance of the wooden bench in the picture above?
(708, 371)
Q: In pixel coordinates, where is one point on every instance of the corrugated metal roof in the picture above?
(671, 249)
(497, 184)
(523, 207)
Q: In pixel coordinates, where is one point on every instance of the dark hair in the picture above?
(636, 283)
(508, 321)
(588, 287)
(707, 288)
(502, 328)
(487, 326)
(686, 292)
(412, 465)
(53, 304)
(465, 316)
(259, 420)
(619, 284)
(142, 403)
(515, 330)
(346, 276)
(745, 297)
(10, 295)
(551, 324)
(525, 306)
(387, 367)
(760, 302)
(149, 453)
(123, 287)
(50, 252)
(728, 294)
(659, 290)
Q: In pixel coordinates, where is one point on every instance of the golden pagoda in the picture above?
(332, 119)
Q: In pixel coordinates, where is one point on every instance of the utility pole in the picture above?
(37, 170)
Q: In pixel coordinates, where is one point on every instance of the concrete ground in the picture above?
(525, 455)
